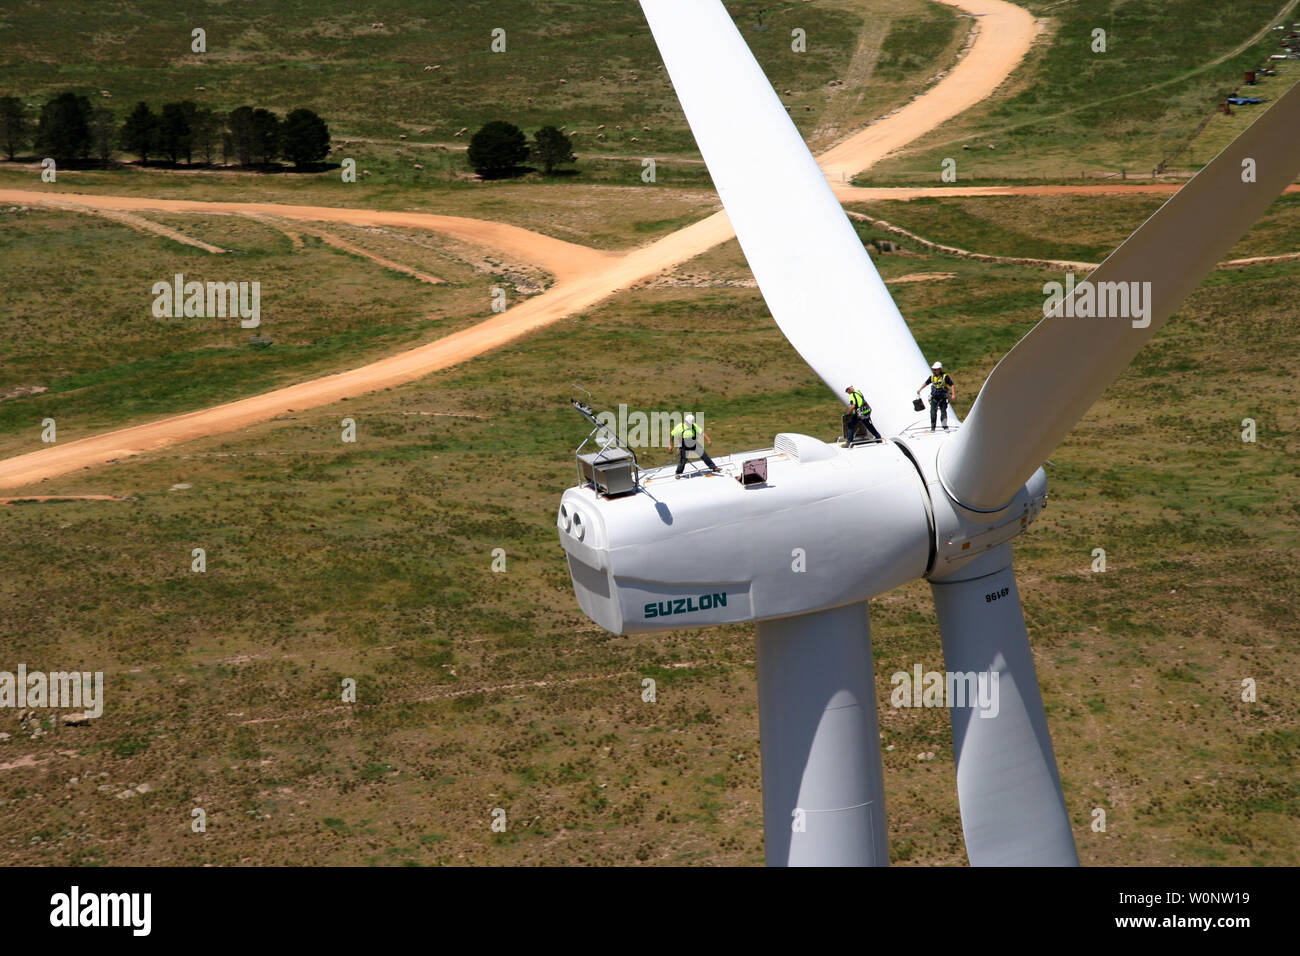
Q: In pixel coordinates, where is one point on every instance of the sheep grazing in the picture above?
(635, 140)
(416, 166)
(601, 126)
(645, 129)
(201, 89)
(401, 136)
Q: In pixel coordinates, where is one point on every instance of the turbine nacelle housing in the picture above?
(831, 525)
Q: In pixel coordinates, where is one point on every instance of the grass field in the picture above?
(1037, 227)
(569, 64)
(81, 324)
(372, 560)
(481, 690)
(1167, 65)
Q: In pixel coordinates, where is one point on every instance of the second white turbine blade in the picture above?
(1008, 787)
(1044, 385)
(812, 269)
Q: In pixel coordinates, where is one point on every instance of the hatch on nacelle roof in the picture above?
(803, 448)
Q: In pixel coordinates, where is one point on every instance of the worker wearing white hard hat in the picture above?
(942, 390)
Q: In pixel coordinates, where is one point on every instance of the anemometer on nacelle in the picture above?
(612, 469)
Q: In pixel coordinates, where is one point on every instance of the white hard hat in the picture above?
(937, 365)
(690, 419)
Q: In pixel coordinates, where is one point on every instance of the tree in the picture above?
(140, 131)
(64, 132)
(176, 130)
(254, 135)
(190, 109)
(498, 149)
(14, 126)
(102, 127)
(206, 129)
(241, 134)
(551, 148)
(306, 138)
(266, 136)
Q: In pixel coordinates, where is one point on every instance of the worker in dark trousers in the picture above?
(690, 434)
(859, 412)
(942, 390)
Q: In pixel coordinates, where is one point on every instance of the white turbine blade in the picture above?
(823, 784)
(1044, 385)
(812, 269)
(1012, 810)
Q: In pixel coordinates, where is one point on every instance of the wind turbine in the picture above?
(832, 526)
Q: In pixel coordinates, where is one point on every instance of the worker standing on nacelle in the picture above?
(690, 434)
(941, 390)
(859, 412)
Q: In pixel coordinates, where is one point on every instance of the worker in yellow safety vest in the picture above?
(859, 413)
(942, 390)
(690, 433)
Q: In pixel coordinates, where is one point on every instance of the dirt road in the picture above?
(583, 276)
(1002, 35)
(564, 260)
(867, 193)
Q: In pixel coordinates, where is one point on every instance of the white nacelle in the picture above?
(831, 526)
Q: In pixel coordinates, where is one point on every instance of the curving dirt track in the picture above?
(865, 193)
(583, 276)
(1001, 38)
(565, 260)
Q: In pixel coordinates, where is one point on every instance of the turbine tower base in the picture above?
(823, 785)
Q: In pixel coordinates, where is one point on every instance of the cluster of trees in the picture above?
(70, 129)
(501, 149)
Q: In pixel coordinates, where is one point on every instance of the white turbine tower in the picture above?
(831, 526)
